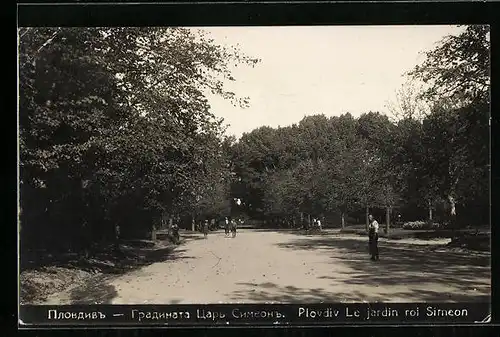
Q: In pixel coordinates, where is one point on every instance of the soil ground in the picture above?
(261, 266)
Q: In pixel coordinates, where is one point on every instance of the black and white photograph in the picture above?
(254, 164)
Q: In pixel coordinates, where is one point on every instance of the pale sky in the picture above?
(309, 70)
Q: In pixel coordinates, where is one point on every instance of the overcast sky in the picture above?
(307, 70)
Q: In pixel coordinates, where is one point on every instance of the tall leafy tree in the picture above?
(457, 72)
(459, 67)
(117, 135)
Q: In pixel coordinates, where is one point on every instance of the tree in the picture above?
(458, 68)
(212, 196)
(425, 155)
(344, 183)
(408, 103)
(379, 176)
(457, 72)
(125, 129)
(456, 161)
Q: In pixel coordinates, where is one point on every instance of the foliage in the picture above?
(126, 135)
(455, 135)
(119, 135)
(409, 103)
(458, 69)
(434, 152)
(414, 225)
(317, 167)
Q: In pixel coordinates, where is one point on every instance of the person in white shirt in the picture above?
(373, 237)
(319, 224)
(226, 226)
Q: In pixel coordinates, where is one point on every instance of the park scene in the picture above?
(254, 165)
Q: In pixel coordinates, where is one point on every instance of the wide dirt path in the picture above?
(269, 266)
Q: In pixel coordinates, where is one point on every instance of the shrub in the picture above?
(413, 225)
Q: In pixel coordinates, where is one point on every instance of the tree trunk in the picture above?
(153, 233)
(367, 219)
(387, 219)
(164, 220)
(342, 220)
(453, 210)
(84, 229)
(193, 223)
(117, 237)
(430, 210)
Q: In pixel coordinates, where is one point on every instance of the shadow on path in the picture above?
(95, 291)
(401, 266)
(271, 292)
(98, 290)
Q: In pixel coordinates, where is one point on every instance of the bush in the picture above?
(413, 225)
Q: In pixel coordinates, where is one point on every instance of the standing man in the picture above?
(373, 237)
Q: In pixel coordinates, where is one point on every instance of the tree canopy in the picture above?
(120, 135)
(436, 150)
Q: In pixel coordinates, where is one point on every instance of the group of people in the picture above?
(315, 224)
(229, 227)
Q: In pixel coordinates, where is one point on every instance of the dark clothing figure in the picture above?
(233, 228)
(373, 244)
(205, 229)
(175, 234)
(373, 238)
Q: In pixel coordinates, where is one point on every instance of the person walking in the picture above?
(233, 228)
(205, 229)
(174, 233)
(373, 238)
